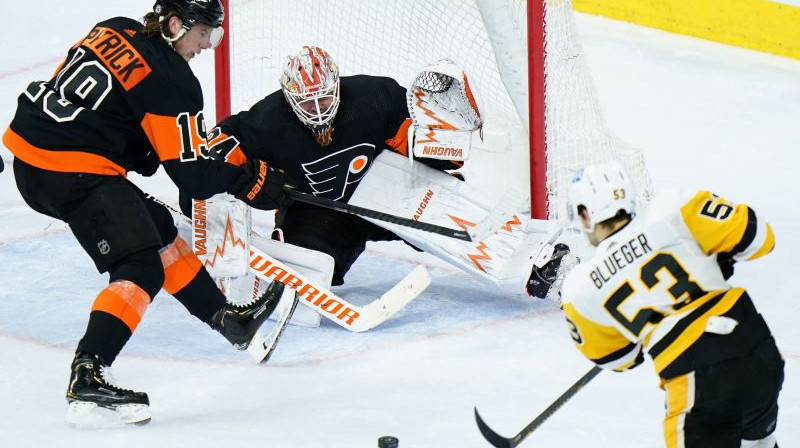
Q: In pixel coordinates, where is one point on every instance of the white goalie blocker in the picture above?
(504, 256)
(444, 113)
(221, 239)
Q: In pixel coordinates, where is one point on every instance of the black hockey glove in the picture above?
(147, 165)
(542, 278)
(262, 186)
(725, 262)
(1, 164)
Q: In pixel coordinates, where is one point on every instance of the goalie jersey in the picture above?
(372, 116)
(657, 285)
(119, 102)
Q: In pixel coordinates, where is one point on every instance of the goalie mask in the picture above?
(310, 83)
(604, 190)
(192, 12)
(444, 112)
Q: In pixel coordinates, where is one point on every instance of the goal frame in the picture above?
(537, 143)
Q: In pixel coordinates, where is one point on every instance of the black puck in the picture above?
(388, 442)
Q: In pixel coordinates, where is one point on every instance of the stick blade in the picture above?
(492, 437)
(400, 295)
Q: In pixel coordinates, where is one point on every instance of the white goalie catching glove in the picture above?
(444, 112)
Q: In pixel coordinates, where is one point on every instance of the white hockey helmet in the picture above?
(603, 190)
(310, 83)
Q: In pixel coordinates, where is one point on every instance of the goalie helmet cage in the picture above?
(531, 142)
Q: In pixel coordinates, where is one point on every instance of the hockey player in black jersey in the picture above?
(324, 131)
(125, 99)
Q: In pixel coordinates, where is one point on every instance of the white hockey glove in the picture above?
(444, 113)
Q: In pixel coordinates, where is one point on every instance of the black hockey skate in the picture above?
(94, 401)
(239, 323)
(541, 280)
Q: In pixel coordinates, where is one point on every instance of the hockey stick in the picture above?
(504, 442)
(352, 317)
(369, 213)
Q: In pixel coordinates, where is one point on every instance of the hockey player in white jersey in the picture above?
(657, 283)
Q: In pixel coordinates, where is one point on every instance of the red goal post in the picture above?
(533, 142)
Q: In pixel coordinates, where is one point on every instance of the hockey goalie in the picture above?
(518, 254)
(368, 142)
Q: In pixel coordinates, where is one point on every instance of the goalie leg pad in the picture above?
(317, 266)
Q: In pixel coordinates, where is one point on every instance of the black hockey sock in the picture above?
(105, 336)
(201, 297)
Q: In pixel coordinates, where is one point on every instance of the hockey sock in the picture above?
(115, 314)
(188, 281)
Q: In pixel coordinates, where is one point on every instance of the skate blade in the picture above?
(263, 343)
(86, 415)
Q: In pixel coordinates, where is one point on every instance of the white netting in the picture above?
(577, 133)
(398, 37)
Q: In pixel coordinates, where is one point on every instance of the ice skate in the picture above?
(93, 401)
(239, 323)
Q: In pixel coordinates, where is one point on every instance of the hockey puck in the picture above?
(388, 442)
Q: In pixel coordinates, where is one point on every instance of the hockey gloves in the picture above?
(542, 278)
(262, 186)
(147, 165)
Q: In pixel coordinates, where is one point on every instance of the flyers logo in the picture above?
(336, 175)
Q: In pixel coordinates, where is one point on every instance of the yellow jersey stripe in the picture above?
(761, 246)
(694, 330)
(604, 340)
(716, 224)
(680, 400)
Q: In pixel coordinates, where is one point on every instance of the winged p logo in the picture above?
(335, 176)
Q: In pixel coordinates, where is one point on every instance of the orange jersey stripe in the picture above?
(60, 161)
(122, 60)
(180, 265)
(399, 143)
(124, 300)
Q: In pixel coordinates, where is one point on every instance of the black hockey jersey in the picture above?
(372, 116)
(118, 102)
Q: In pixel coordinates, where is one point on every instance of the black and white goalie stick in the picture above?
(369, 213)
(506, 442)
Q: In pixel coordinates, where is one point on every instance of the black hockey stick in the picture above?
(504, 442)
(394, 219)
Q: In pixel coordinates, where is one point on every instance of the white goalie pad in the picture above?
(314, 265)
(221, 235)
(503, 257)
(444, 112)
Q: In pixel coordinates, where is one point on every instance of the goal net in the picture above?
(490, 39)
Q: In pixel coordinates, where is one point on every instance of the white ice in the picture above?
(707, 116)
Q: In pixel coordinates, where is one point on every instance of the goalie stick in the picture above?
(352, 317)
(505, 442)
(369, 213)
(347, 315)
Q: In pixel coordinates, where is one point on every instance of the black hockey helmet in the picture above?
(207, 12)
